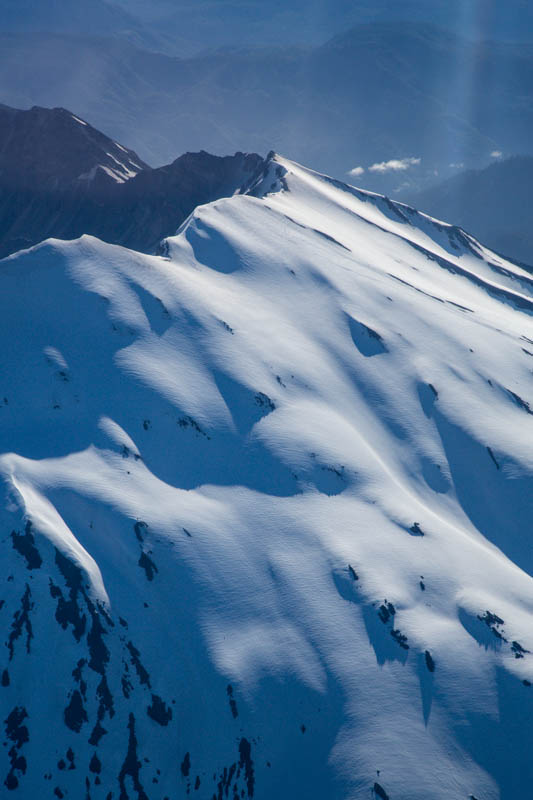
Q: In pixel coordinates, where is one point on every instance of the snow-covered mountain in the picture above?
(267, 507)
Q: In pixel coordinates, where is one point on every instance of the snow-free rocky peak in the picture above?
(267, 507)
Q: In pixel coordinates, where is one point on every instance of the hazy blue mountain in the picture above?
(493, 203)
(215, 23)
(186, 27)
(375, 93)
(88, 17)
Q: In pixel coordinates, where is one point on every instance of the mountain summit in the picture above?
(50, 147)
(267, 506)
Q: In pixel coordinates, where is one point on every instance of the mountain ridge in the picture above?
(61, 177)
(270, 536)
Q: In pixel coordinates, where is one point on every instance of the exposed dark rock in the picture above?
(127, 686)
(21, 621)
(245, 761)
(140, 529)
(493, 621)
(430, 664)
(99, 654)
(19, 735)
(189, 422)
(136, 661)
(159, 711)
(380, 792)
(386, 611)
(97, 733)
(186, 765)
(68, 611)
(232, 702)
(77, 674)
(146, 563)
(105, 699)
(5, 678)
(75, 714)
(416, 530)
(95, 764)
(24, 543)
(518, 650)
(353, 573)
(401, 638)
(264, 401)
(131, 766)
(16, 732)
(224, 783)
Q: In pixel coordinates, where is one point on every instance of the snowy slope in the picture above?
(267, 507)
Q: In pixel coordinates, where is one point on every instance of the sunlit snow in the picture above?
(293, 455)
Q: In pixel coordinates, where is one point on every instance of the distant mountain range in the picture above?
(60, 177)
(187, 27)
(493, 203)
(87, 17)
(370, 95)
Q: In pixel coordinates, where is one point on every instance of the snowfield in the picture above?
(267, 519)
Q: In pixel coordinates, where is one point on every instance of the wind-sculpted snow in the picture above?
(268, 508)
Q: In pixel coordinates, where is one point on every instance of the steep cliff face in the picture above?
(266, 507)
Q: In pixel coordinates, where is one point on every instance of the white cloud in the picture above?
(356, 171)
(496, 154)
(457, 164)
(402, 187)
(394, 165)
